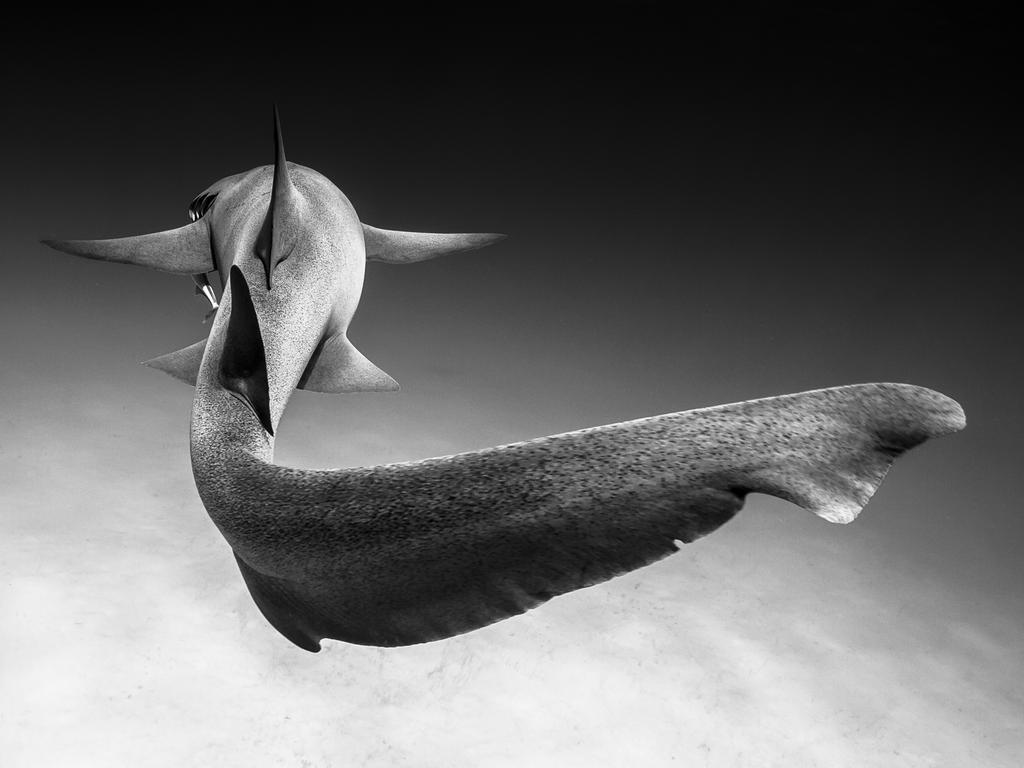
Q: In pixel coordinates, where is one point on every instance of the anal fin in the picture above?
(182, 364)
(337, 366)
(282, 608)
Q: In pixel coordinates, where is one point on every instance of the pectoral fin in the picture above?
(337, 366)
(182, 364)
(185, 250)
(395, 247)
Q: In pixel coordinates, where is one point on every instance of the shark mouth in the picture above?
(243, 364)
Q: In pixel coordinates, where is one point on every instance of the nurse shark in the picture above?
(412, 552)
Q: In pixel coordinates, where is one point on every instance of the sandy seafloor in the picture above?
(129, 639)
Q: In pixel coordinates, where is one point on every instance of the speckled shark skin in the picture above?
(413, 552)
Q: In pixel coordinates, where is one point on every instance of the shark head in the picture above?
(291, 253)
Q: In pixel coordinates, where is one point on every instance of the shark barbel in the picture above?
(412, 552)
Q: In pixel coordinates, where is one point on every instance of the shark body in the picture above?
(413, 552)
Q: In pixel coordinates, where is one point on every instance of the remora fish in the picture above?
(407, 553)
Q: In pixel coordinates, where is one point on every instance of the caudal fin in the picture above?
(828, 450)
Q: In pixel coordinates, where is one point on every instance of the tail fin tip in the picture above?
(849, 437)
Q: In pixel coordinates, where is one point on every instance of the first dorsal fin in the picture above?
(185, 250)
(394, 247)
(273, 243)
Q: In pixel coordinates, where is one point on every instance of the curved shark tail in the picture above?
(830, 449)
(415, 552)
